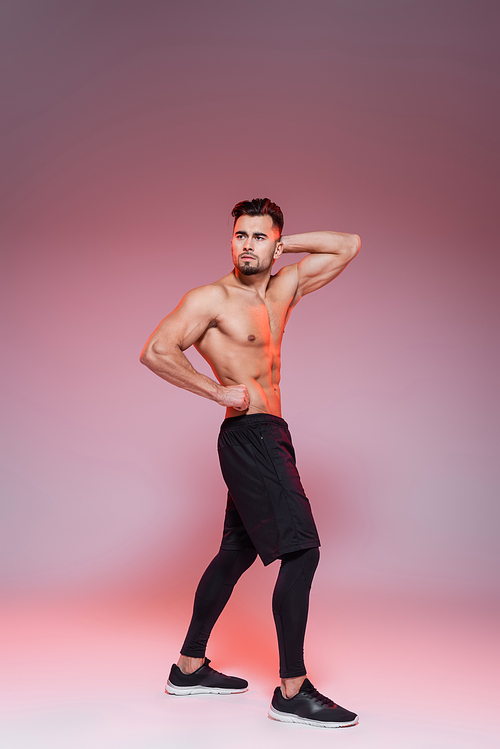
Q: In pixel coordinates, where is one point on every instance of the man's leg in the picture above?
(212, 594)
(193, 674)
(297, 701)
(290, 609)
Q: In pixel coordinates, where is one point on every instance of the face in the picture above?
(255, 244)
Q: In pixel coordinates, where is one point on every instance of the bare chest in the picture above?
(253, 322)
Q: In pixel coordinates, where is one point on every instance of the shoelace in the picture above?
(320, 697)
(207, 665)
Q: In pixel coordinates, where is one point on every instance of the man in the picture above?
(237, 325)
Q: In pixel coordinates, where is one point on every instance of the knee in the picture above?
(310, 561)
(301, 563)
(247, 557)
(241, 562)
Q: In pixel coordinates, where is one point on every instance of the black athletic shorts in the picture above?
(267, 508)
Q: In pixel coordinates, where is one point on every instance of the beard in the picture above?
(248, 269)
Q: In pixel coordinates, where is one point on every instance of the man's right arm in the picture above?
(163, 352)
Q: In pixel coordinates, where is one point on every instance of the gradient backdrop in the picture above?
(128, 131)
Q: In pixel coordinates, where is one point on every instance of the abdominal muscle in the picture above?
(258, 370)
(262, 399)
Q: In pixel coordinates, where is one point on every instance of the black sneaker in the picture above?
(205, 680)
(310, 707)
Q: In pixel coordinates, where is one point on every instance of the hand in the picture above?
(234, 396)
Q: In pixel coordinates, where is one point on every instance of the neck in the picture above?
(258, 282)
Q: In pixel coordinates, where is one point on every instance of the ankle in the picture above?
(189, 665)
(291, 687)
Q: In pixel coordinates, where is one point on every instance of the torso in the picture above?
(243, 343)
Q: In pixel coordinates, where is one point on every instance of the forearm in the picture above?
(173, 366)
(330, 242)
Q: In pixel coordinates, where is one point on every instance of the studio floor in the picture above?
(421, 673)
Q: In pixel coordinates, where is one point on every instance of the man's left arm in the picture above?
(329, 253)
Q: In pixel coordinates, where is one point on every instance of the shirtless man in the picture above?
(237, 325)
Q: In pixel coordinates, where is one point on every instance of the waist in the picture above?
(236, 422)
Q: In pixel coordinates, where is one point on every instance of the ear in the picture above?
(278, 250)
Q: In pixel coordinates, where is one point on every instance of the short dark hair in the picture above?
(259, 207)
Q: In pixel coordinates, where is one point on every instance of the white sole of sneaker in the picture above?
(290, 718)
(172, 689)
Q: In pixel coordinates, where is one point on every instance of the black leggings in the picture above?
(290, 603)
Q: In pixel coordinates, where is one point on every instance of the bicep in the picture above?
(316, 270)
(185, 325)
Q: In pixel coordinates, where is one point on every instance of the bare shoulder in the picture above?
(202, 297)
(197, 310)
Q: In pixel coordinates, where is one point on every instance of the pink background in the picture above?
(128, 132)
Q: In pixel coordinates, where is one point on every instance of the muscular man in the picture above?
(237, 325)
